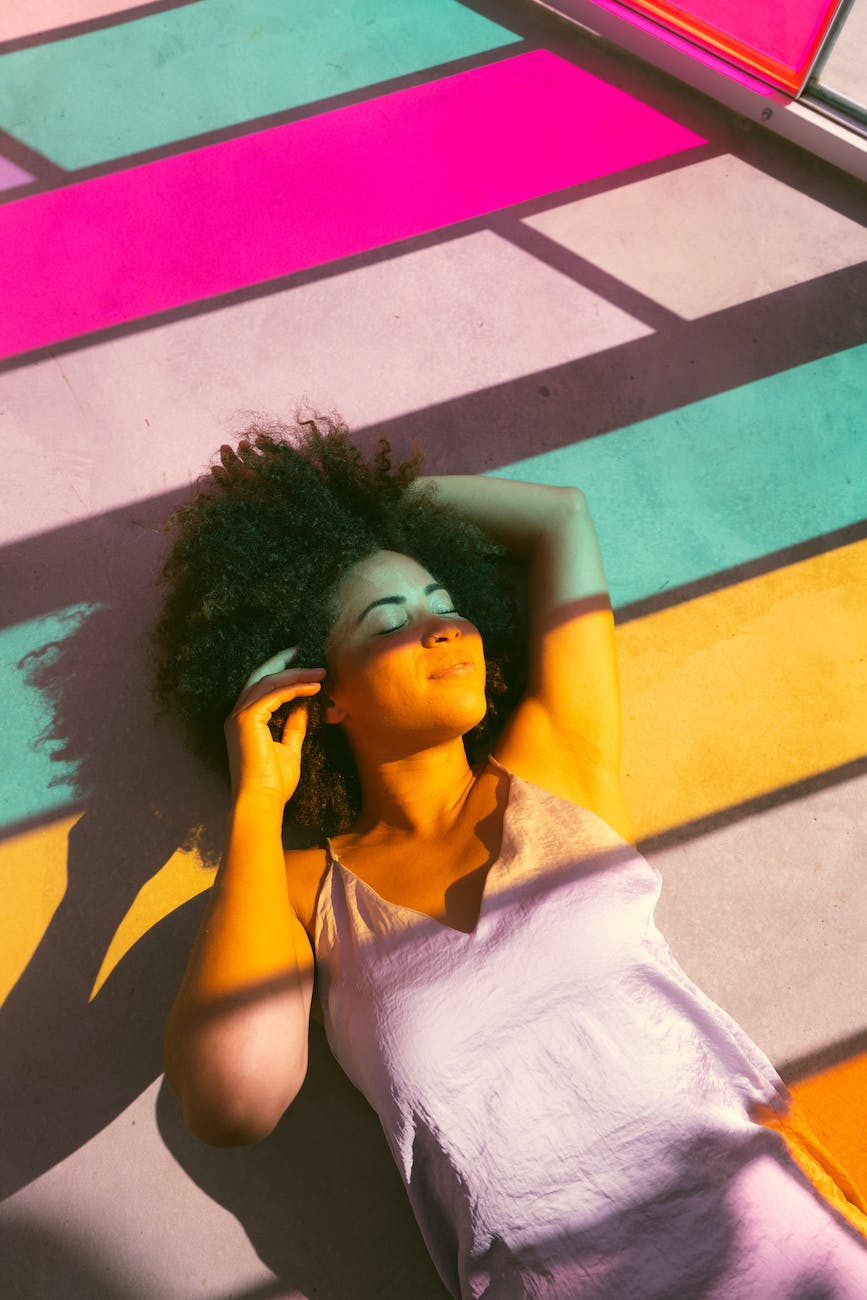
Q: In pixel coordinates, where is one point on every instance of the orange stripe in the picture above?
(835, 1101)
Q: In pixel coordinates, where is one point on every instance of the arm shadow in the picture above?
(320, 1200)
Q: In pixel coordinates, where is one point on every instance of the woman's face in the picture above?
(405, 670)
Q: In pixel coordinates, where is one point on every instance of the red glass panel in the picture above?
(775, 39)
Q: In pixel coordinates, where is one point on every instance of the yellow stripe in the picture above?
(745, 690)
(32, 885)
(33, 877)
(179, 880)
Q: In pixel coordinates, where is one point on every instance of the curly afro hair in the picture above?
(253, 567)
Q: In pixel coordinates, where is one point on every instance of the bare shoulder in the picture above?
(305, 871)
(564, 763)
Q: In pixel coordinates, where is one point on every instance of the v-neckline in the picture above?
(334, 861)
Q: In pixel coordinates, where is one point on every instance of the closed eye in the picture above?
(441, 613)
(442, 603)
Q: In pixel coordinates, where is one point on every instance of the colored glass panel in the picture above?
(777, 39)
(685, 46)
(137, 85)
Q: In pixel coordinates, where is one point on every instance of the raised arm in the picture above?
(565, 733)
(236, 1039)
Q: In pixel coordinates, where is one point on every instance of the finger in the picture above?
(261, 706)
(277, 663)
(294, 729)
(233, 465)
(295, 679)
(247, 455)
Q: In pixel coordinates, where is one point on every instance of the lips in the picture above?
(457, 668)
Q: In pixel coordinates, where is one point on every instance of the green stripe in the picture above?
(204, 66)
(725, 480)
(35, 779)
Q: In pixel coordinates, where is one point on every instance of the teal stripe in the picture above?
(203, 66)
(675, 498)
(33, 779)
(723, 481)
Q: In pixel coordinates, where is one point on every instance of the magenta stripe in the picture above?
(89, 256)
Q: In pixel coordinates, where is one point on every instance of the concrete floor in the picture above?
(467, 224)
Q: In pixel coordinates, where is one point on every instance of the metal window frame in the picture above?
(812, 122)
(824, 99)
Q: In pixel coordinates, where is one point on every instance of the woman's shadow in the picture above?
(320, 1199)
(73, 1062)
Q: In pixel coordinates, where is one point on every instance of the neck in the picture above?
(419, 794)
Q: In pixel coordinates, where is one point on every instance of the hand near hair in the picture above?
(235, 465)
(259, 764)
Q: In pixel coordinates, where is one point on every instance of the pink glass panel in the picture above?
(774, 38)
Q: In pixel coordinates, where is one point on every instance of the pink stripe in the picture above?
(11, 175)
(37, 16)
(89, 256)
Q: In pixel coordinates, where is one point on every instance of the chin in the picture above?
(464, 720)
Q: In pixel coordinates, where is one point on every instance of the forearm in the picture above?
(236, 1037)
(518, 515)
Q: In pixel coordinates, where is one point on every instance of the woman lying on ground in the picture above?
(571, 1115)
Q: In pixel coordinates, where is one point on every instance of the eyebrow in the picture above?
(396, 600)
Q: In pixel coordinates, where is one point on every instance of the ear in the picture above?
(334, 713)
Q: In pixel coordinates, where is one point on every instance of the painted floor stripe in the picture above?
(743, 691)
(43, 17)
(11, 175)
(137, 85)
(36, 777)
(32, 885)
(723, 481)
(186, 228)
(834, 1101)
(841, 1186)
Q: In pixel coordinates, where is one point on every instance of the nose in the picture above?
(441, 631)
